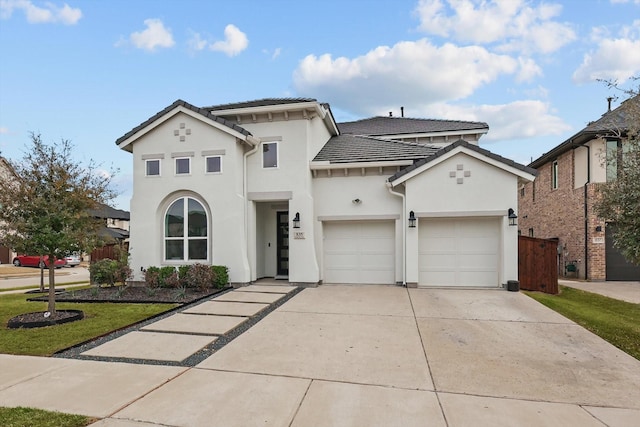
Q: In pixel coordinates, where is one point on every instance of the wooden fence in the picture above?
(538, 264)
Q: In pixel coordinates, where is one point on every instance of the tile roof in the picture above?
(465, 144)
(105, 211)
(351, 149)
(403, 125)
(611, 121)
(259, 103)
(181, 103)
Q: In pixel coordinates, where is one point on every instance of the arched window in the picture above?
(185, 231)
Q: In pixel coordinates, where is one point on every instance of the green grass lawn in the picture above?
(618, 322)
(99, 319)
(28, 417)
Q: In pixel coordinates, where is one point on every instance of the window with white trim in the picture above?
(183, 165)
(186, 236)
(213, 164)
(270, 155)
(152, 167)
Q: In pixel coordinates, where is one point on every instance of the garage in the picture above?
(359, 252)
(459, 252)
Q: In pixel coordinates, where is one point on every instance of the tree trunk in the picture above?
(52, 286)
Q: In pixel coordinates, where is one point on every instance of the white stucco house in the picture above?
(277, 188)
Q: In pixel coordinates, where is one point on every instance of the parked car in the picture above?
(34, 261)
(73, 260)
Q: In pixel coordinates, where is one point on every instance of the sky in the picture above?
(89, 71)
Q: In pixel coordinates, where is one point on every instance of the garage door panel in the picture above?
(359, 252)
(459, 252)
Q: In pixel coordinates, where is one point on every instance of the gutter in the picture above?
(586, 214)
(404, 232)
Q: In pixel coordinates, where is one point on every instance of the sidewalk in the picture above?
(624, 291)
(357, 356)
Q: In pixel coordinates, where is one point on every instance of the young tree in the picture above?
(619, 200)
(46, 211)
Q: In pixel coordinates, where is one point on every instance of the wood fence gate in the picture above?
(538, 264)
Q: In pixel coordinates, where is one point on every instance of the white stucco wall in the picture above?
(488, 192)
(220, 193)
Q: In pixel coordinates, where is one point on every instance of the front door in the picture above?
(283, 244)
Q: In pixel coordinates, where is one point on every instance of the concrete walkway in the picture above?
(361, 356)
(624, 291)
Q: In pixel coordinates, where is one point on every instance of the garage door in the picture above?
(617, 267)
(359, 252)
(459, 252)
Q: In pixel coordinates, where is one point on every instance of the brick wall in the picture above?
(560, 213)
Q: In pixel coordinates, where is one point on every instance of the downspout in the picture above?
(404, 232)
(244, 196)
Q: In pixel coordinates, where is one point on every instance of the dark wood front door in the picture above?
(283, 243)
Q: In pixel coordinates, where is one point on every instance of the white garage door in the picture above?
(359, 252)
(459, 252)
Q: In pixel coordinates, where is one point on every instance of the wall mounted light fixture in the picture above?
(598, 228)
(512, 217)
(296, 220)
(412, 219)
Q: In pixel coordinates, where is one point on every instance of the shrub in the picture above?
(103, 272)
(200, 276)
(164, 273)
(123, 272)
(220, 276)
(152, 277)
(182, 274)
(173, 281)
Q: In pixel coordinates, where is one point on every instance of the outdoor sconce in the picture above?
(296, 220)
(512, 217)
(412, 220)
(598, 228)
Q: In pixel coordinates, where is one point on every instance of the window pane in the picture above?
(197, 219)
(213, 164)
(182, 166)
(174, 220)
(198, 249)
(174, 249)
(153, 167)
(270, 155)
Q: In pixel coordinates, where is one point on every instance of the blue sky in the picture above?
(90, 71)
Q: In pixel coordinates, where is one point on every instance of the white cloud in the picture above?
(512, 25)
(512, 121)
(614, 58)
(407, 73)
(50, 13)
(235, 41)
(154, 36)
(196, 42)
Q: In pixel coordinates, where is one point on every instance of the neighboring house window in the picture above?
(213, 164)
(152, 167)
(270, 155)
(185, 231)
(183, 166)
(554, 175)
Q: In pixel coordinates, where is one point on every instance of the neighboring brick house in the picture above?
(6, 173)
(559, 203)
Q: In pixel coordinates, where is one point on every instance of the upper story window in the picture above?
(152, 167)
(183, 166)
(270, 155)
(615, 152)
(554, 175)
(186, 231)
(213, 164)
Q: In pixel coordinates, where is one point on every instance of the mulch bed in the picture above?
(132, 294)
(39, 319)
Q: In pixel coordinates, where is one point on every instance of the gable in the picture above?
(181, 107)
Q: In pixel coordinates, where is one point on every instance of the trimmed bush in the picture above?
(103, 272)
(200, 276)
(164, 273)
(221, 276)
(152, 277)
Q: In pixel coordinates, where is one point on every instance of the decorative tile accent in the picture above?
(182, 132)
(460, 174)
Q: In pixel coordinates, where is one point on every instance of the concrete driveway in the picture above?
(362, 356)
